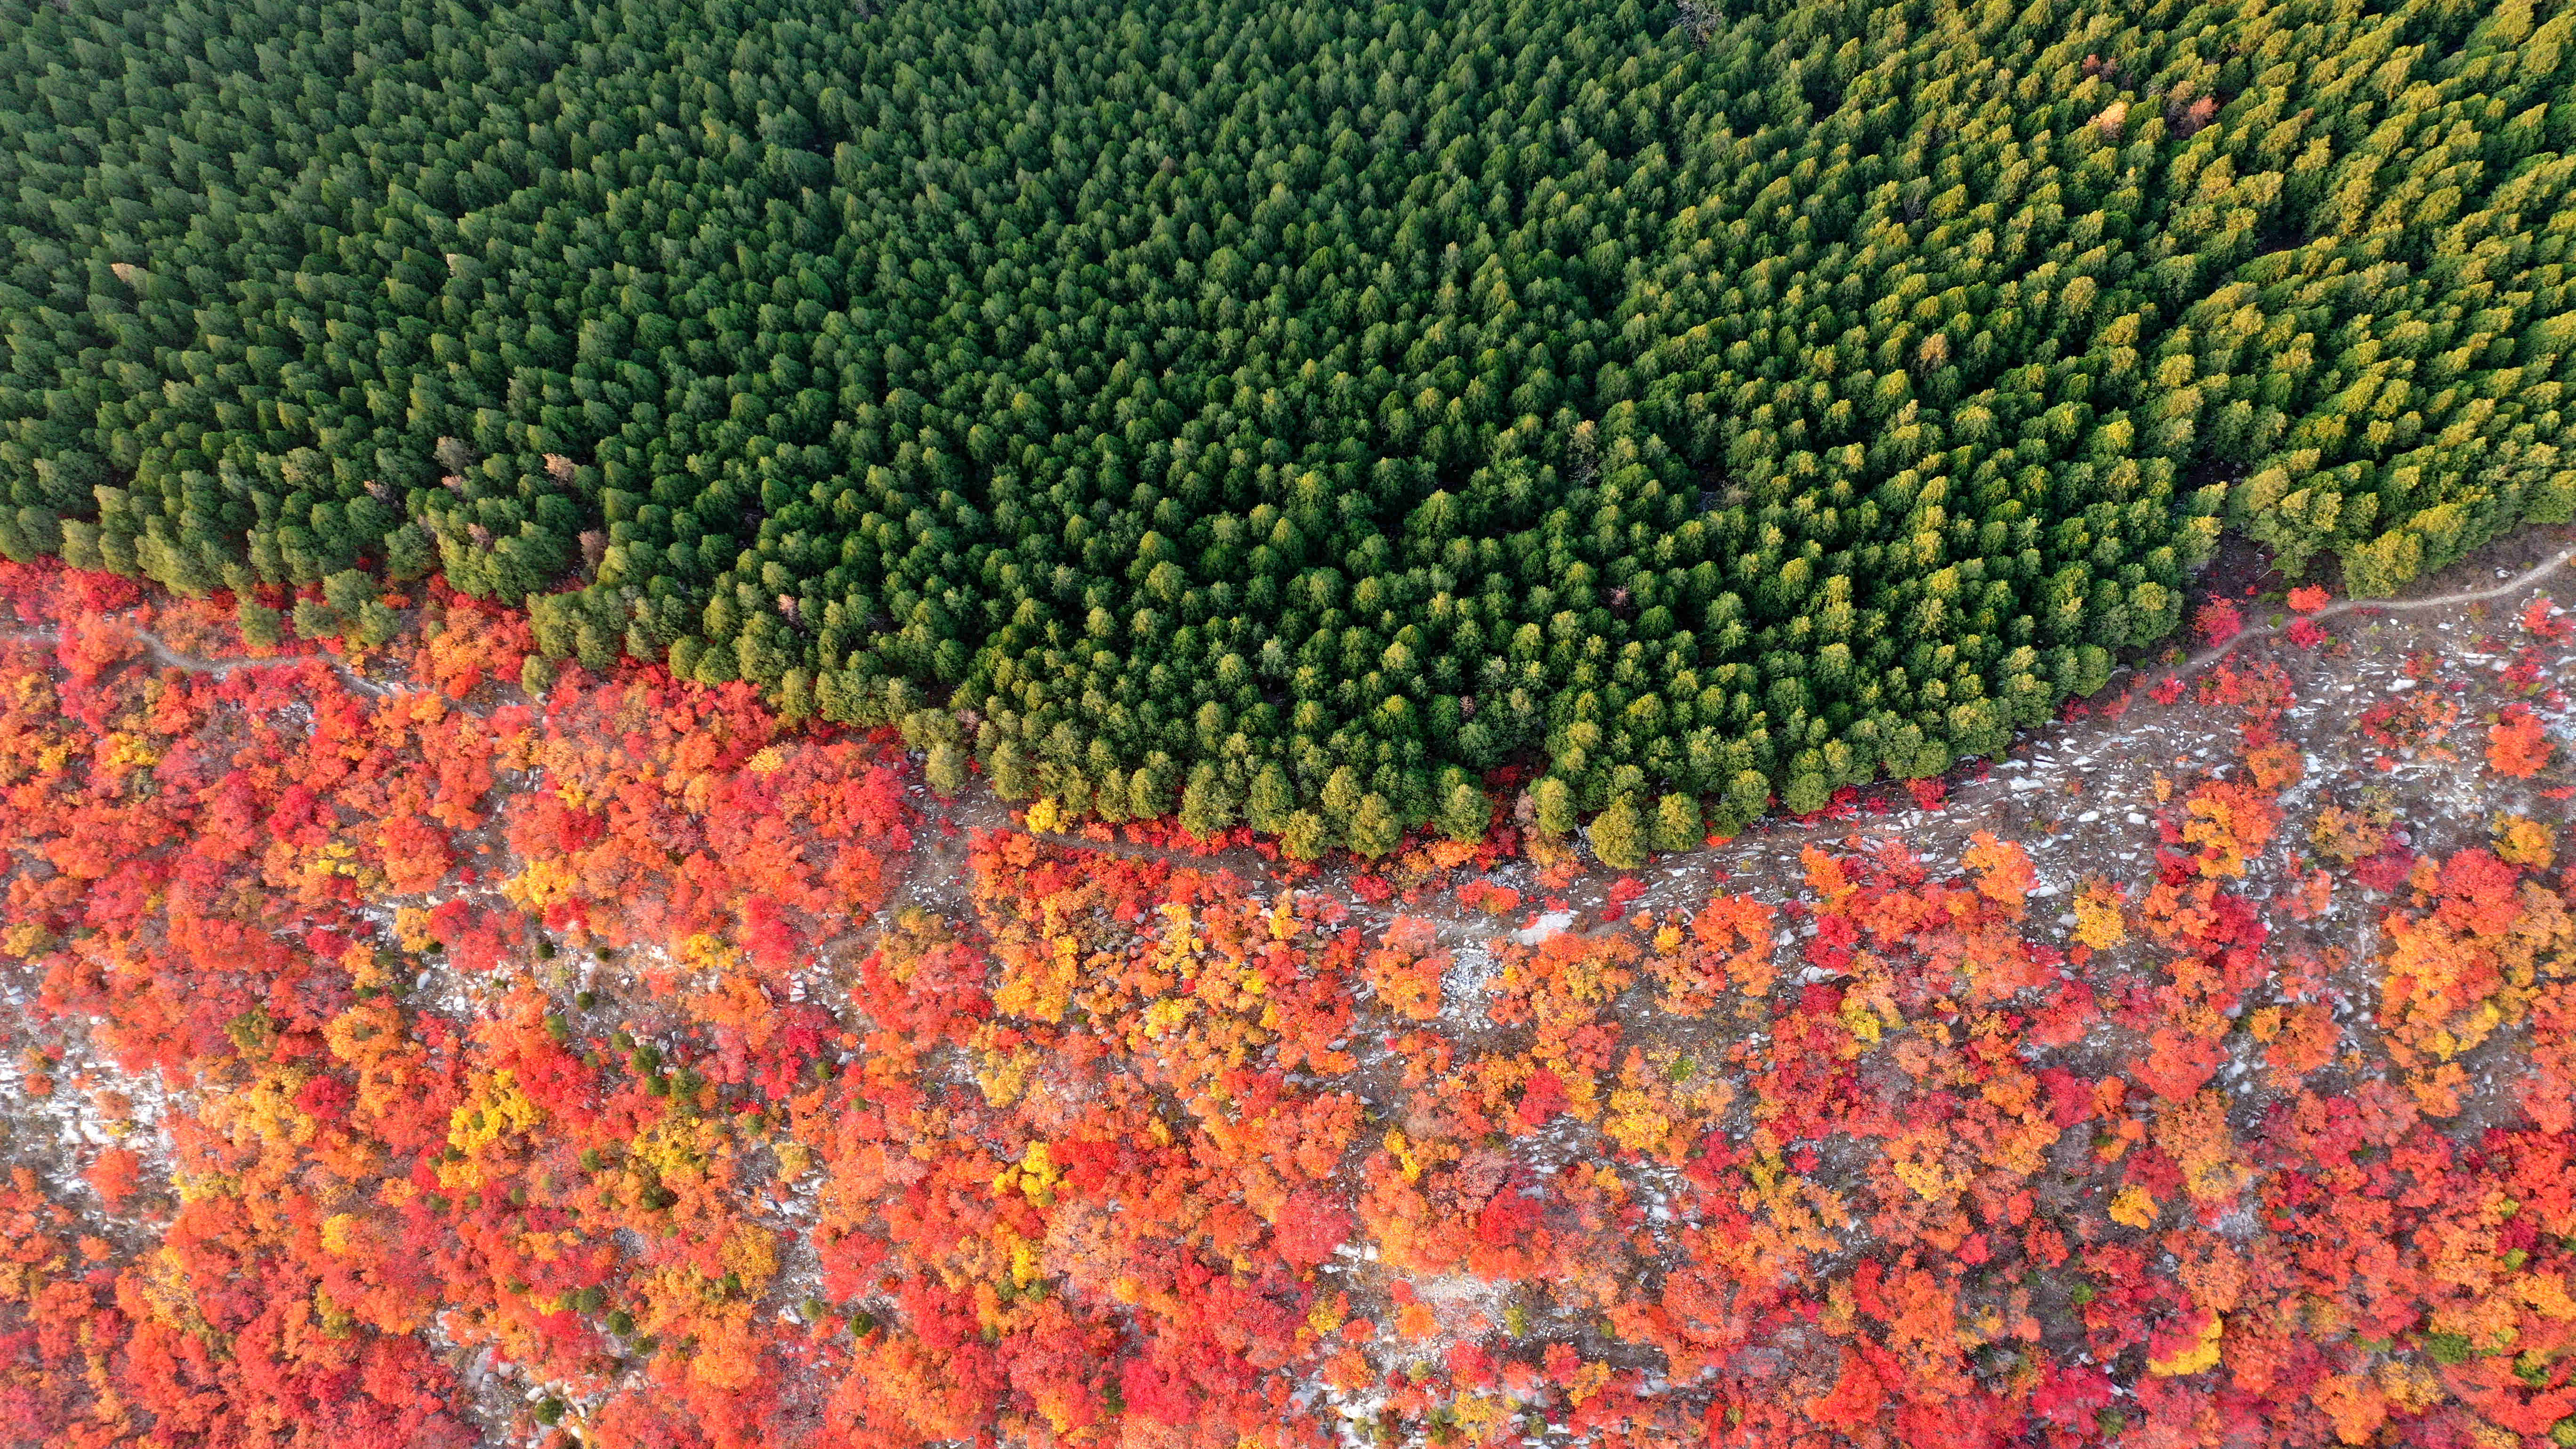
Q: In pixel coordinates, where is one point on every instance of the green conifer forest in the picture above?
(1287, 413)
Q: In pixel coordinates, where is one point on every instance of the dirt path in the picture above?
(163, 654)
(2213, 653)
(935, 877)
(170, 657)
(2097, 762)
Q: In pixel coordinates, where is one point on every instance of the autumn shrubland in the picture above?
(400, 1057)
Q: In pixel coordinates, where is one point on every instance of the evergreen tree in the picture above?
(1147, 797)
(1341, 802)
(1554, 803)
(1207, 810)
(1677, 825)
(1466, 814)
(1373, 830)
(1305, 838)
(316, 619)
(946, 770)
(1806, 794)
(261, 627)
(1272, 801)
(1619, 835)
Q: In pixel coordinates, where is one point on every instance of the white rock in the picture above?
(1547, 925)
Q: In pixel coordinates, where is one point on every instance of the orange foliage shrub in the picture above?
(2516, 746)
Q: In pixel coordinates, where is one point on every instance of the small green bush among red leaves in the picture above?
(580, 1042)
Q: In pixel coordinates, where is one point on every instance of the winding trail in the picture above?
(979, 808)
(171, 657)
(937, 873)
(2211, 654)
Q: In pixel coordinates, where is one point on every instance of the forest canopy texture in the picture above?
(1289, 414)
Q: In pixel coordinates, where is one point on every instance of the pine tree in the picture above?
(377, 625)
(262, 627)
(1554, 804)
(1618, 835)
(1272, 801)
(1109, 796)
(1677, 824)
(316, 619)
(1207, 809)
(1373, 830)
(1341, 801)
(1466, 814)
(946, 770)
(1147, 796)
(1806, 794)
(1305, 837)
